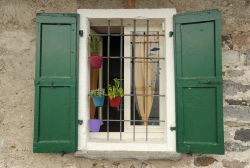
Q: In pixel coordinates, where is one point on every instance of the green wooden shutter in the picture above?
(199, 114)
(55, 126)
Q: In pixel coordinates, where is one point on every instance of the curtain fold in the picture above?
(145, 75)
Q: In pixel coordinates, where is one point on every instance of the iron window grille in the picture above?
(133, 59)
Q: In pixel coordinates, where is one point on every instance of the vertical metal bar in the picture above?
(121, 55)
(108, 55)
(133, 78)
(147, 81)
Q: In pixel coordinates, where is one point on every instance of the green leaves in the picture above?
(94, 43)
(115, 90)
(97, 92)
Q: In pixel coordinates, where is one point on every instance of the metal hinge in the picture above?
(81, 33)
(171, 33)
(80, 122)
(172, 128)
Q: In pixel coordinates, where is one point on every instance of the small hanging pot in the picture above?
(95, 125)
(115, 102)
(95, 61)
(98, 101)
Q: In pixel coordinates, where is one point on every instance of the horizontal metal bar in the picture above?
(150, 42)
(117, 57)
(156, 62)
(115, 34)
(135, 120)
(145, 95)
(141, 95)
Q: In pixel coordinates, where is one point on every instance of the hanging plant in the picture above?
(115, 92)
(95, 59)
(98, 97)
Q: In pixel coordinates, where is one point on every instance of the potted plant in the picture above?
(95, 59)
(98, 97)
(98, 100)
(115, 92)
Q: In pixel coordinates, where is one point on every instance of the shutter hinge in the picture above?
(172, 128)
(80, 122)
(36, 82)
(171, 33)
(81, 33)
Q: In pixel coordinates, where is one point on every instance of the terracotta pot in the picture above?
(115, 102)
(95, 61)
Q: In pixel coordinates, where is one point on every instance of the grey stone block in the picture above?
(247, 61)
(234, 164)
(232, 88)
(230, 57)
(227, 41)
(239, 112)
(1, 143)
(242, 135)
(237, 102)
(235, 73)
(235, 147)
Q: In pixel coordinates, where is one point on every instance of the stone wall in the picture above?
(17, 53)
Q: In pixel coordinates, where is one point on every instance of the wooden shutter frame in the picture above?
(192, 17)
(60, 19)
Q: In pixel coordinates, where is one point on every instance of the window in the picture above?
(135, 135)
(135, 56)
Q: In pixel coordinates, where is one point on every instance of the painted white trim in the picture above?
(126, 146)
(170, 86)
(83, 85)
(127, 13)
(83, 106)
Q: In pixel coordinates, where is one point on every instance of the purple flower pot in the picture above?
(95, 124)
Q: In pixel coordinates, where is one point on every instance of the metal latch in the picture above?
(171, 33)
(212, 82)
(81, 33)
(172, 128)
(80, 122)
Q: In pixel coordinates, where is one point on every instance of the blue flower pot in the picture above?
(98, 101)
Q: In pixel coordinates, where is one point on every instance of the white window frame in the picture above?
(153, 131)
(84, 144)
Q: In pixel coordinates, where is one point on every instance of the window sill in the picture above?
(120, 155)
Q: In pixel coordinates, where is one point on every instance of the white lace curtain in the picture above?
(146, 73)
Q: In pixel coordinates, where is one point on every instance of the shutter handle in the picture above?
(52, 83)
(209, 82)
(204, 81)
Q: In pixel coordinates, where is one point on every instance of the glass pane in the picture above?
(146, 78)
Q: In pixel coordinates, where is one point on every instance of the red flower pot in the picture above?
(115, 102)
(95, 61)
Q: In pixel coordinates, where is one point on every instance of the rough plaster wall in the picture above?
(17, 52)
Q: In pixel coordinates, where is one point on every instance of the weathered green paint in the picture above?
(199, 113)
(55, 125)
